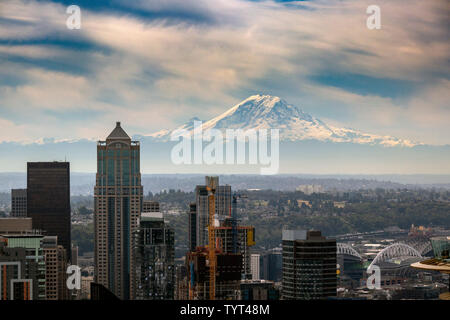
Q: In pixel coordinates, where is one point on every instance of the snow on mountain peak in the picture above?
(271, 112)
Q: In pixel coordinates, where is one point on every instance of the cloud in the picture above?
(154, 64)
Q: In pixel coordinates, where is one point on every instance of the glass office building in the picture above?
(118, 202)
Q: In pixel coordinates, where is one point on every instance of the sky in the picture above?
(155, 64)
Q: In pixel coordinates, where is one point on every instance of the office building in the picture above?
(48, 199)
(18, 202)
(192, 218)
(55, 269)
(154, 258)
(118, 202)
(309, 265)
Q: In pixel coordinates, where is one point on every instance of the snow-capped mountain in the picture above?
(270, 112)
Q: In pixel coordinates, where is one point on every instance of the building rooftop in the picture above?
(118, 133)
(151, 216)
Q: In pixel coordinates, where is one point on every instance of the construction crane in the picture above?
(211, 185)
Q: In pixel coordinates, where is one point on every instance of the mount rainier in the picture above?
(271, 112)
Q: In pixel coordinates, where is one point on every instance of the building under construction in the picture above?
(214, 270)
(227, 275)
(245, 238)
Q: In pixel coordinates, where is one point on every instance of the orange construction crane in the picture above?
(211, 187)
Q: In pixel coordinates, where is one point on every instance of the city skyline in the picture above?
(233, 151)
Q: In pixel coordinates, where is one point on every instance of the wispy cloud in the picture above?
(154, 64)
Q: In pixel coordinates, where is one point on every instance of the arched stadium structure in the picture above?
(400, 251)
(343, 248)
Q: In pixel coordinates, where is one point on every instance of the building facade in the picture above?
(118, 203)
(23, 269)
(18, 203)
(48, 200)
(150, 206)
(271, 266)
(192, 220)
(245, 240)
(255, 266)
(55, 269)
(15, 225)
(154, 254)
(309, 265)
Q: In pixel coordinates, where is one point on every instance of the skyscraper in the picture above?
(118, 201)
(309, 265)
(192, 226)
(48, 199)
(222, 205)
(55, 269)
(154, 254)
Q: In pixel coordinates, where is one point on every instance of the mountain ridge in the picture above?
(272, 112)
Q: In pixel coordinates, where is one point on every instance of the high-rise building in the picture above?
(201, 217)
(154, 254)
(48, 199)
(223, 198)
(118, 202)
(55, 269)
(18, 202)
(192, 226)
(309, 265)
(255, 265)
(222, 209)
(245, 240)
(228, 275)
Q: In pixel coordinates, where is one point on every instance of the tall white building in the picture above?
(255, 265)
